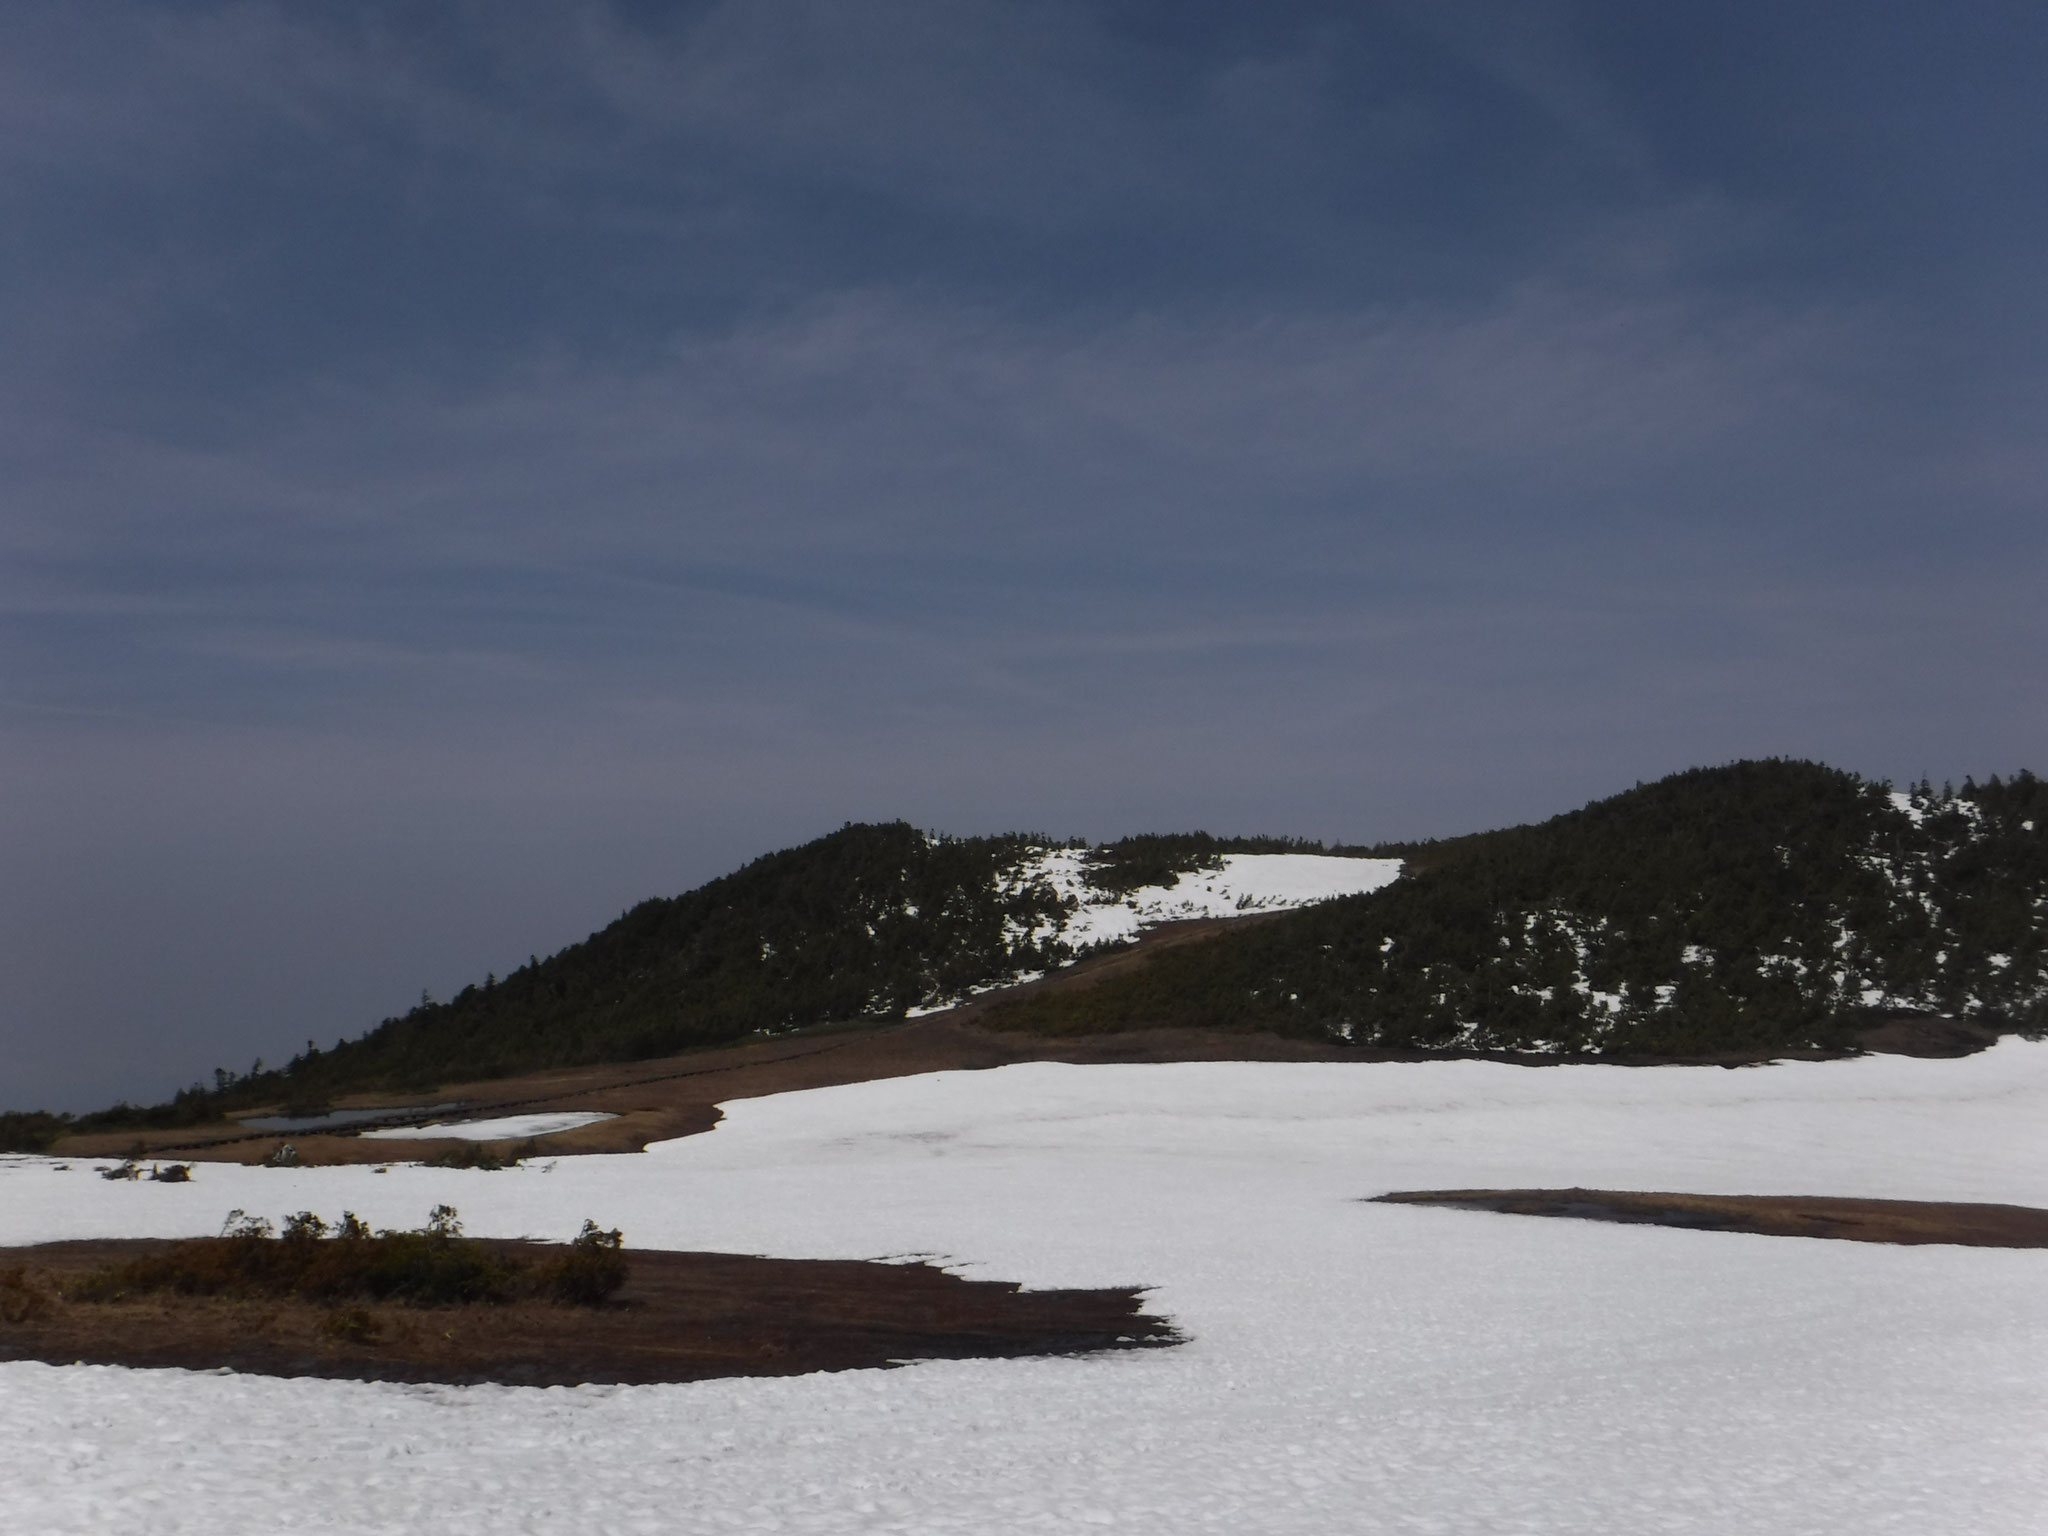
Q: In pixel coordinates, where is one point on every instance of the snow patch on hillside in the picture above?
(1091, 918)
(1246, 883)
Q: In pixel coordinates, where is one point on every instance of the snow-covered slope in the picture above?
(1353, 1367)
(1758, 906)
(1246, 883)
(1083, 917)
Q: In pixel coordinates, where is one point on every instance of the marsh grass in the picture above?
(351, 1325)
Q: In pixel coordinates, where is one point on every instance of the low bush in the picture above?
(432, 1266)
(479, 1155)
(31, 1131)
(593, 1267)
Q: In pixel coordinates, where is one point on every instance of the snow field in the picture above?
(1353, 1367)
(1247, 882)
(505, 1126)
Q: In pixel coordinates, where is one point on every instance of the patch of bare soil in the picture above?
(679, 1317)
(1920, 1035)
(679, 1095)
(1860, 1221)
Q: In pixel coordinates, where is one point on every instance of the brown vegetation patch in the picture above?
(1861, 1221)
(1925, 1035)
(678, 1317)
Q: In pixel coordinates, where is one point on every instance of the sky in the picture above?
(467, 468)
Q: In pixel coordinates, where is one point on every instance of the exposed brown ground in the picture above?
(680, 1317)
(1928, 1037)
(1861, 1221)
(679, 1095)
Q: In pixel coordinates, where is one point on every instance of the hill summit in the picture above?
(1758, 906)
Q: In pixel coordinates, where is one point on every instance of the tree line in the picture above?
(1754, 906)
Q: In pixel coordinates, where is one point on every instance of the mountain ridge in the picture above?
(1752, 906)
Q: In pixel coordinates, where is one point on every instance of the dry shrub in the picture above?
(433, 1266)
(430, 1267)
(587, 1273)
(479, 1155)
(350, 1325)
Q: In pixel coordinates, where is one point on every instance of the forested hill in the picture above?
(865, 923)
(1761, 905)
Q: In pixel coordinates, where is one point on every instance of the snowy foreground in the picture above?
(1353, 1367)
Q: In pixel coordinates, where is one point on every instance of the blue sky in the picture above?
(469, 467)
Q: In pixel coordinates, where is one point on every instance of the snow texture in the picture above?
(1247, 882)
(1353, 1367)
(1092, 918)
(493, 1130)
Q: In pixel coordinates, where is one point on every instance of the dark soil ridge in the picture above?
(1857, 1221)
(675, 1096)
(680, 1317)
